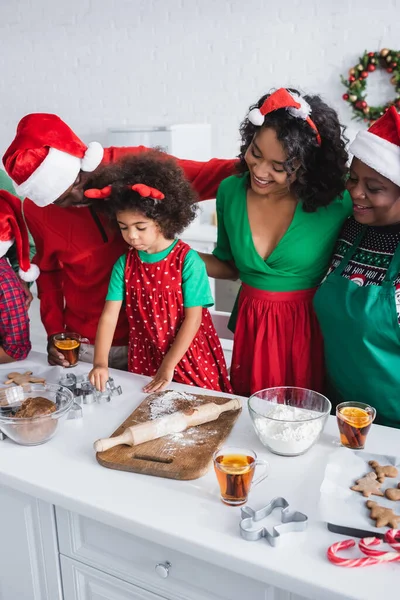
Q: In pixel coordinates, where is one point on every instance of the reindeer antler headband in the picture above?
(142, 189)
(282, 98)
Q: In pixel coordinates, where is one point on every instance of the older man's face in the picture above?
(73, 196)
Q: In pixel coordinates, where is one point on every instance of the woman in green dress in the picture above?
(358, 304)
(277, 224)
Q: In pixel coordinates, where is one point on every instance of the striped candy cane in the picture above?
(391, 536)
(363, 561)
(373, 557)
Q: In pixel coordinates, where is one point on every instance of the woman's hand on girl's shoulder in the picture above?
(98, 377)
(161, 380)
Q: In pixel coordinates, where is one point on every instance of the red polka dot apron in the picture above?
(154, 305)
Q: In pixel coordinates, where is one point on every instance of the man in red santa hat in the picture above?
(14, 320)
(76, 249)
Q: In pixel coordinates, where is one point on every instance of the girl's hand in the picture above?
(98, 377)
(161, 380)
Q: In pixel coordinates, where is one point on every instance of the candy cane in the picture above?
(391, 536)
(373, 557)
(365, 546)
(348, 562)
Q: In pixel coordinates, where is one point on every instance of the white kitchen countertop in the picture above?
(188, 516)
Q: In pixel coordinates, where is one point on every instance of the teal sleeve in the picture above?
(6, 183)
(195, 285)
(116, 287)
(223, 248)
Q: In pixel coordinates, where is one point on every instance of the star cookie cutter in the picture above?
(290, 522)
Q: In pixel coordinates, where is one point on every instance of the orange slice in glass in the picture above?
(66, 344)
(357, 417)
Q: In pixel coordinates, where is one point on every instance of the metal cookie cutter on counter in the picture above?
(85, 393)
(290, 522)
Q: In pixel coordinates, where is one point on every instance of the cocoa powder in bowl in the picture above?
(38, 429)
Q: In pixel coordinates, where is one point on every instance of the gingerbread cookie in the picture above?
(383, 471)
(368, 485)
(23, 379)
(384, 517)
(393, 493)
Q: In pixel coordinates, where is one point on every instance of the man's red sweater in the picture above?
(76, 250)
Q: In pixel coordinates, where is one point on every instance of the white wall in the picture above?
(111, 62)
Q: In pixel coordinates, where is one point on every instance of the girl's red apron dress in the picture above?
(277, 342)
(154, 305)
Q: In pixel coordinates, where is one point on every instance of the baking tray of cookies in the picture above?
(345, 510)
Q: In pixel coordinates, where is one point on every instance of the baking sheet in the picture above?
(341, 506)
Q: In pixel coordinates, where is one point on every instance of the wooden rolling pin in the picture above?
(174, 423)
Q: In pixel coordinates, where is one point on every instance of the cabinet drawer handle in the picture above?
(162, 569)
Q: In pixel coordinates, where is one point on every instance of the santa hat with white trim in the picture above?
(13, 229)
(379, 147)
(296, 105)
(46, 156)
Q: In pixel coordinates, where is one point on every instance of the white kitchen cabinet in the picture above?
(29, 568)
(81, 582)
(134, 560)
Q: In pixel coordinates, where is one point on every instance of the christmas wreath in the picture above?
(356, 83)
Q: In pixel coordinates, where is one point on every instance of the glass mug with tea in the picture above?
(354, 420)
(69, 344)
(234, 468)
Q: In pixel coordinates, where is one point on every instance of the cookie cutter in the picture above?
(68, 381)
(290, 522)
(75, 412)
(103, 397)
(115, 390)
(86, 392)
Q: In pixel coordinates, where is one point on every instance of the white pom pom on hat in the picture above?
(256, 117)
(93, 157)
(30, 275)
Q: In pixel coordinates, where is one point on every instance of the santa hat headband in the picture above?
(379, 147)
(13, 228)
(142, 189)
(295, 105)
(46, 156)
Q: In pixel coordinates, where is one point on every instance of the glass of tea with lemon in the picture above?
(69, 345)
(234, 468)
(354, 421)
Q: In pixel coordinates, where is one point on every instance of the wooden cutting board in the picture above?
(185, 455)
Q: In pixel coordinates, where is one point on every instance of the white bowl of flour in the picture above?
(288, 420)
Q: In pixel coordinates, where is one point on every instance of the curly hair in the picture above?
(321, 175)
(155, 169)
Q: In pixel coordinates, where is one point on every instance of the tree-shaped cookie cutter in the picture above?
(290, 522)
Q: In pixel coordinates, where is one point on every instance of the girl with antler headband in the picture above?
(278, 222)
(161, 280)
